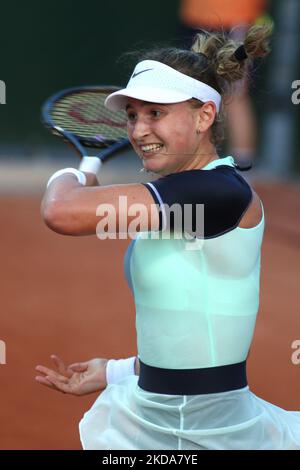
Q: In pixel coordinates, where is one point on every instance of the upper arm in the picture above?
(102, 209)
(210, 203)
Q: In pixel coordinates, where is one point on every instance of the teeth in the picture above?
(151, 147)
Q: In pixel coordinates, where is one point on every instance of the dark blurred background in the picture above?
(48, 46)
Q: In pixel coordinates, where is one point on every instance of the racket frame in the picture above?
(48, 121)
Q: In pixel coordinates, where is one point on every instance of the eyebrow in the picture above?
(145, 103)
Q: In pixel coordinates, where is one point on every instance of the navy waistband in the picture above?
(192, 381)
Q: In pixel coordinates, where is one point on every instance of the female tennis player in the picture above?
(196, 290)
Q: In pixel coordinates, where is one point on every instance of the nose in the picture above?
(139, 129)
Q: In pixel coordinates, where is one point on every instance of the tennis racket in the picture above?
(78, 115)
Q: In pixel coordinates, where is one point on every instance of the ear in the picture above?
(206, 116)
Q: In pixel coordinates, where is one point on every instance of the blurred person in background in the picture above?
(232, 17)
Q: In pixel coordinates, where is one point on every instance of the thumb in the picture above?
(78, 366)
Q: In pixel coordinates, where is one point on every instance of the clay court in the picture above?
(68, 296)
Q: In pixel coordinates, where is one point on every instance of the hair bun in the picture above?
(240, 53)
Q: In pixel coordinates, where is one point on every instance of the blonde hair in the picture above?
(220, 50)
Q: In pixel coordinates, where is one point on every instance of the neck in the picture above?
(205, 153)
(200, 161)
(201, 157)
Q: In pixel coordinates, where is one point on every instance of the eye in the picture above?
(131, 116)
(156, 113)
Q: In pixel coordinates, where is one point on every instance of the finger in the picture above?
(44, 381)
(59, 363)
(51, 373)
(62, 387)
(61, 366)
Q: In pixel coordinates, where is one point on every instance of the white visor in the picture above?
(155, 82)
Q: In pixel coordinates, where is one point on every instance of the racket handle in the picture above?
(90, 165)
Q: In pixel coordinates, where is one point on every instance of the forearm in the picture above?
(60, 199)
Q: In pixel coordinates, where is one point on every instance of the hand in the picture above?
(90, 166)
(80, 378)
(91, 179)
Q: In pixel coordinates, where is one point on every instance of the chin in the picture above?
(154, 168)
(156, 164)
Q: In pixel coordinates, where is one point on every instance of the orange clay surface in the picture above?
(68, 296)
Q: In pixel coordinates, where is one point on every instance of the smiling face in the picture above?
(170, 137)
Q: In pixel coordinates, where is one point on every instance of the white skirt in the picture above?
(126, 417)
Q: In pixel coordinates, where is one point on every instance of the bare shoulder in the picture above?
(253, 215)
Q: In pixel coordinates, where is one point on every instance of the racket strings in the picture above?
(84, 115)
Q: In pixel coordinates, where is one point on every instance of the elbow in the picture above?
(56, 215)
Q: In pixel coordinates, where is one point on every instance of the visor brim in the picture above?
(118, 100)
